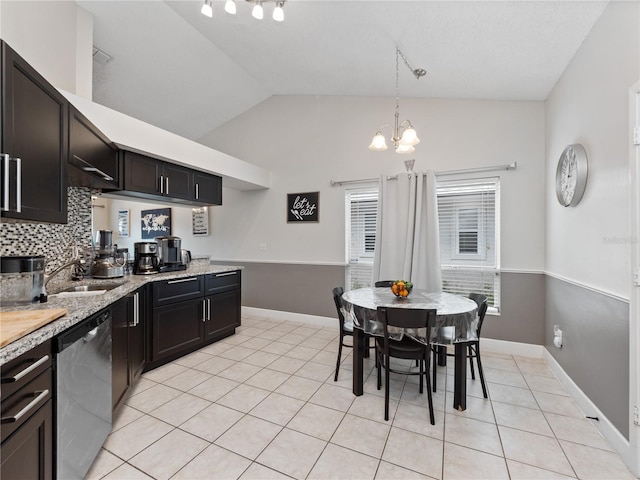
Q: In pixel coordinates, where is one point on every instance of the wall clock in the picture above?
(571, 175)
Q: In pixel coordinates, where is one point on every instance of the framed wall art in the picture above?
(155, 223)
(200, 221)
(123, 223)
(303, 207)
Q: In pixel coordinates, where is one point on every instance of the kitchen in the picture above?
(534, 234)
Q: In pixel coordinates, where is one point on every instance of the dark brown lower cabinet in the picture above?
(191, 312)
(26, 449)
(128, 336)
(28, 453)
(176, 328)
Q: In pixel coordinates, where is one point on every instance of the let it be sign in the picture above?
(303, 207)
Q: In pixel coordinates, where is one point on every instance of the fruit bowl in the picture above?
(401, 288)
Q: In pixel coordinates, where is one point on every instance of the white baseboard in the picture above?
(512, 348)
(291, 317)
(604, 425)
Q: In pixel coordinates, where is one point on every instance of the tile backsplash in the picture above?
(52, 240)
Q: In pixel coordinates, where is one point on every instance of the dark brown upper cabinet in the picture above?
(34, 144)
(150, 178)
(93, 158)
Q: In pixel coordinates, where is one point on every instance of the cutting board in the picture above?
(15, 325)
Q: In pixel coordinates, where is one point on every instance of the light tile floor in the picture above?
(262, 404)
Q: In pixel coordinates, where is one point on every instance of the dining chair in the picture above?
(406, 348)
(384, 283)
(473, 346)
(346, 329)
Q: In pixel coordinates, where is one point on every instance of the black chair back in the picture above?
(481, 301)
(337, 299)
(406, 318)
(384, 283)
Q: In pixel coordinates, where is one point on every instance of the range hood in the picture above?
(131, 134)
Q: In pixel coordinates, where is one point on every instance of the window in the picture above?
(468, 214)
(361, 210)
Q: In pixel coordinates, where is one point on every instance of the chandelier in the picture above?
(403, 135)
(257, 11)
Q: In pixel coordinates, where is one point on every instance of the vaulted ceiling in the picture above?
(187, 73)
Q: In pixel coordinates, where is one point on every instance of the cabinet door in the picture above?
(137, 335)
(177, 328)
(207, 188)
(141, 173)
(223, 313)
(34, 130)
(120, 311)
(178, 182)
(28, 453)
(93, 157)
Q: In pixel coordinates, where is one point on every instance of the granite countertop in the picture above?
(82, 307)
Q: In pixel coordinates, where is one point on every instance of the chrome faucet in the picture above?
(77, 273)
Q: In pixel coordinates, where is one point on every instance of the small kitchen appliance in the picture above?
(170, 254)
(106, 262)
(21, 279)
(145, 258)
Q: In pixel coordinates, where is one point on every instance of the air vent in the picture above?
(101, 56)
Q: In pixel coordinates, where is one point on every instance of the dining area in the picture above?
(410, 335)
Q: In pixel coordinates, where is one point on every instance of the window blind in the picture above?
(361, 210)
(468, 214)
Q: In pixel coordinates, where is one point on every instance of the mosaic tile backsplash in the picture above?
(54, 241)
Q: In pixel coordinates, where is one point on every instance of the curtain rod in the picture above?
(506, 166)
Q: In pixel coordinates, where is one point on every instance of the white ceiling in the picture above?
(177, 69)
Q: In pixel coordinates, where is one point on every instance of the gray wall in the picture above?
(595, 351)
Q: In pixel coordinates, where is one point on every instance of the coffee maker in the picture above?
(145, 258)
(170, 254)
(106, 262)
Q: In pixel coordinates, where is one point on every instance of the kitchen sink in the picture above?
(87, 290)
(91, 288)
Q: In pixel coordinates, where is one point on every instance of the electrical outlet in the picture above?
(262, 247)
(557, 336)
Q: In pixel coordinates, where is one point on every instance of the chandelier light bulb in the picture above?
(401, 148)
(230, 7)
(378, 144)
(278, 12)
(410, 137)
(257, 11)
(207, 9)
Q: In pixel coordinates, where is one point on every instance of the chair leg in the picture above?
(421, 375)
(470, 355)
(484, 387)
(429, 397)
(386, 391)
(335, 379)
(379, 369)
(366, 346)
(435, 365)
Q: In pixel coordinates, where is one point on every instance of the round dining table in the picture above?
(456, 323)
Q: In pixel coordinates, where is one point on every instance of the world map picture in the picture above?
(155, 223)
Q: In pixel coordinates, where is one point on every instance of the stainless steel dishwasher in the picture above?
(83, 394)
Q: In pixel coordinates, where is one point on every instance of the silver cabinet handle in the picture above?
(18, 185)
(204, 311)
(167, 189)
(5, 167)
(209, 309)
(39, 396)
(197, 191)
(161, 183)
(26, 371)
(182, 280)
(225, 274)
(136, 309)
(91, 168)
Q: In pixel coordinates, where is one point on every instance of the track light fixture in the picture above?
(403, 135)
(257, 11)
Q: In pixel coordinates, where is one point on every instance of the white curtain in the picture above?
(407, 237)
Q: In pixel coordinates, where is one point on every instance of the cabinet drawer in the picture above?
(17, 408)
(177, 290)
(20, 371)
(221, 282)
